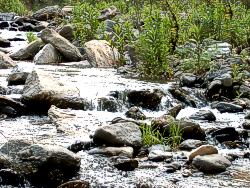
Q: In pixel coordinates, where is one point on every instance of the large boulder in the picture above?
(47, 55)
(5, 61)
(48, 13)
(119, 134)
(42, 164)
(101, 54)
(42, 90)
(11, 107)
(67, 32)
(145, 98)
(28, 52)
(202, 150)
(68, 50)
(211, 164)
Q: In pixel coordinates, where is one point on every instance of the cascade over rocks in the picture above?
(68, 50)
(119, 134)
(145, 98)
(101, 54)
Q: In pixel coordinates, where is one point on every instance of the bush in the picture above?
(12, 6)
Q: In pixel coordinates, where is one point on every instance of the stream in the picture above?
(94, 83)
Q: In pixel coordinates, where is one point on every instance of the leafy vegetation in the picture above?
(12, 6)
(151, 136)
(31, 37)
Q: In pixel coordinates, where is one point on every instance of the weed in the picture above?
(31, 37)
(175, 134)
(151, 136)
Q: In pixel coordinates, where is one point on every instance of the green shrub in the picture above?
(85, 20)
(12, 6)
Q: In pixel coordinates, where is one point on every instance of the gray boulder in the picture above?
(17, 76)
(108, 13)
(119, 134)
(202, 150)
(67, 32)
(28, 52)
(4, 43)
(43, 90)
(5, 61)
(203, 115)
(101, 54)
(191, 144)
(48, 13)
(211, 164)
(135, 113)
(68, 50)
(188, 80)
(47, 55)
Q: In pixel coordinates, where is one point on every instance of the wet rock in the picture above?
(202, 150)
(135, 113)
(80, 145)
(214, 89)
(18, 76)
(7, 16)
(244, 91)
(246, 125)
(28, 52)
(109, 104)
(182, 96)
(11, 107)
(113, 151)
(172, 167)
(10, 177)
(47, 55)
(27, 27)
(174, 111)
(100, 54)
(226, 134)
(108, 13)
(5, 61)
(4, 43)
(227, 107)
(109, 25)
(188, 80)
(47, 164)
(4, 25)
(125, 164)
(68, 50)
(67, 32)
(145, 98)
(119, 134)
(48, 13)
(203, 115)
(191, 144)
(4, 50)
(211, 164)
(75, 184)
(43, 90)
(159, 155)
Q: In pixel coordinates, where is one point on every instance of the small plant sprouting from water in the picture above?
(151, 136)
(175, 134)
(31, 37)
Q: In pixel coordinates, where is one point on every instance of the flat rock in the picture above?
(191, 144)
(119, 134)
(202, 150)
(211, 164)
(159, 155)
(227, 107)
(113, 151)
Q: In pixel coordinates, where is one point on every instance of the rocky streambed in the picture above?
(75, 122)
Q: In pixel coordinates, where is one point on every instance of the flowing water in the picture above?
(94, 83)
